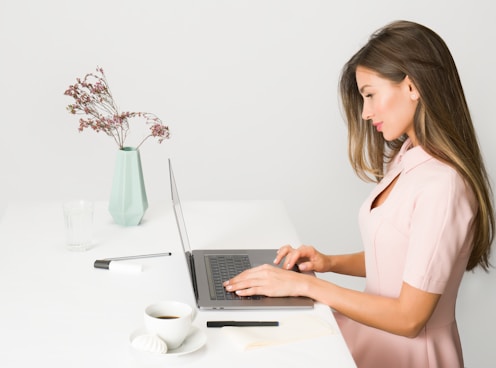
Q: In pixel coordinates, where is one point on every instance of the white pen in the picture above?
(122, 267)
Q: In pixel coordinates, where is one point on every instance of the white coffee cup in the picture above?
(169, 320)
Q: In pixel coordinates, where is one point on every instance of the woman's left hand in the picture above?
(267, 280)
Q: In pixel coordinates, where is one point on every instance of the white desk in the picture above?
(56, 310)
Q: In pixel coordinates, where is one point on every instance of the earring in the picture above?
(413, 96)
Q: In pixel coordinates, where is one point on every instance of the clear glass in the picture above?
(78, 217)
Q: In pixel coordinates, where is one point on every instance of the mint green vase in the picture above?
(128, 201)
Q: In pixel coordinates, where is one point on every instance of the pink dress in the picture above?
(420, 235)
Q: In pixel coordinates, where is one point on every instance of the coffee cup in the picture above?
(169, 320)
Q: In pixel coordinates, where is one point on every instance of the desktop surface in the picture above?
(57, 310)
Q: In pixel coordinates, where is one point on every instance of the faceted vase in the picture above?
(128, 201)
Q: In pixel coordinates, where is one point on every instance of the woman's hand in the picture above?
(278, 281)
(306, 257)
(268, 280)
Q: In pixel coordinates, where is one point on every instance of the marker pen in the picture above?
(111, 264)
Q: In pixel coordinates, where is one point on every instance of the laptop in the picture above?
(208, 268)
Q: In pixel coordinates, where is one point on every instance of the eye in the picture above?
(367, 95)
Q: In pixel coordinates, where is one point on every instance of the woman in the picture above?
(429, 218)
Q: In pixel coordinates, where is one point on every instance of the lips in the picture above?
(378, 126)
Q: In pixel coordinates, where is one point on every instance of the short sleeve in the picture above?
(441, 229)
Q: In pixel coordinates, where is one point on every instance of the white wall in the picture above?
(249, 91)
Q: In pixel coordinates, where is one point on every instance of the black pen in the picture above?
(242, 323)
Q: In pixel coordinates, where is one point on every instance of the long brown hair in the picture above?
(442, 122)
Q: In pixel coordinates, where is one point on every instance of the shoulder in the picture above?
(441, 194)
(429, 177)
(435, 172)
(419, 164)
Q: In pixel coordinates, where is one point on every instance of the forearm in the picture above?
(404, 315)
(370, 310)
(348, 264)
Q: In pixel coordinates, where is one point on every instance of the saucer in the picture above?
(194, 341)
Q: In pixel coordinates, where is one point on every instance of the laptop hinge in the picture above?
(191, 265)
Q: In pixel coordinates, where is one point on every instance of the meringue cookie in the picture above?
(150, 343)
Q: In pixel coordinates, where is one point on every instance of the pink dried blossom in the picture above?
(94, 100)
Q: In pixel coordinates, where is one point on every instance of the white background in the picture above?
(249, 90)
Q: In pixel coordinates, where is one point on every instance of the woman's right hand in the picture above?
(306, 257)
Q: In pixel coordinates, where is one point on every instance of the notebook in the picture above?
(207, 272)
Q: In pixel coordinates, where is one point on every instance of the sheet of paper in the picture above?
(290, 329)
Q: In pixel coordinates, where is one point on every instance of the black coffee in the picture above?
(167, 317)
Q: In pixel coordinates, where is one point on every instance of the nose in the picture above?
(366, 112)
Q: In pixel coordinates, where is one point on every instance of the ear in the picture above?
(412, 89)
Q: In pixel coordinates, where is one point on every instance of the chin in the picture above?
(390, 137)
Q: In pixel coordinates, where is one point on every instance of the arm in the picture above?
(309, 259)
(405, 315)
(348, 264)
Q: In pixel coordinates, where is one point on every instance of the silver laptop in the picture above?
(208, 268)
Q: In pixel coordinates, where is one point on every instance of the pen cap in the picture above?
(118, 266)
(102, 263)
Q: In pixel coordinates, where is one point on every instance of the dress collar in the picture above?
(409, 156)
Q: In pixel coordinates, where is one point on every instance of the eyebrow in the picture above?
(363, 87)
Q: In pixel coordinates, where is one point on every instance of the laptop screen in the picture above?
(181, 225)
(176, 203)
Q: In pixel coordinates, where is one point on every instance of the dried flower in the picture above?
(94, 100)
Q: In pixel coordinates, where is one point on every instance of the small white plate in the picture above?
(194, 341)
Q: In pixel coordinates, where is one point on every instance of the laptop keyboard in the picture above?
(221, 268)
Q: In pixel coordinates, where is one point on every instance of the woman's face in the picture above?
(389, 106)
